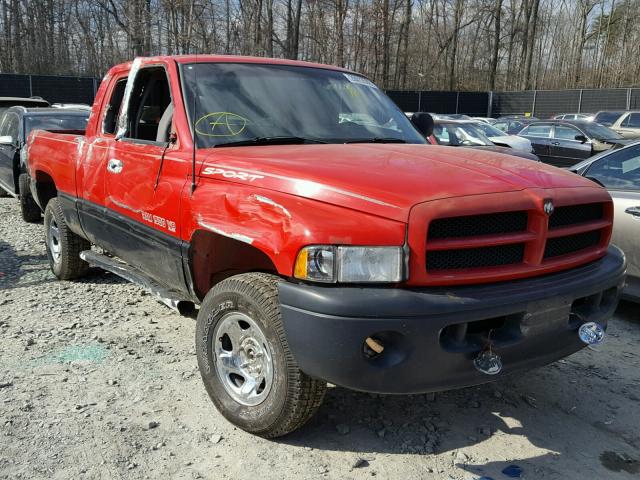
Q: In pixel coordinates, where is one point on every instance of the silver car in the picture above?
(626, 123)
(619, 172)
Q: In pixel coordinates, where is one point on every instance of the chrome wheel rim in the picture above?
(243, 359)
(54, 240)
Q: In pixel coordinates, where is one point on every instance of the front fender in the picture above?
(280, 224)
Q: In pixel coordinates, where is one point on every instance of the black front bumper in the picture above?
(431, 336)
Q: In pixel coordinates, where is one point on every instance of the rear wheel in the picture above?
(63, 246)
(245, 361)
(28, 207)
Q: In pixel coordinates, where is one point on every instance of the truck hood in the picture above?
(381, 179)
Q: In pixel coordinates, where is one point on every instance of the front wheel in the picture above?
(63, 246)
(245, 361)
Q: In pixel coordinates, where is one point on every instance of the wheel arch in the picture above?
(43, 189)
(214, 257)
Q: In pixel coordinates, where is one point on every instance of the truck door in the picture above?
(92, 169)
(144, 178)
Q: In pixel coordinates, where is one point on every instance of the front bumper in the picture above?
(431, 335)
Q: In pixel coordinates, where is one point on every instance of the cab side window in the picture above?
(150, 107)
(619, 170)
(110, 122)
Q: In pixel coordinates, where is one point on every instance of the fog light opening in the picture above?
(372, 347)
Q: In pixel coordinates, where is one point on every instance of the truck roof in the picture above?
(207, 58)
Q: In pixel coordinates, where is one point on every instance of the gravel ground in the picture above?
(98, 380)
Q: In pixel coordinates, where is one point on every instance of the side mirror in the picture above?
(6, 140)
(581, 138)
(423, 123)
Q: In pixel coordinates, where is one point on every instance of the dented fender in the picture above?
(280, 224)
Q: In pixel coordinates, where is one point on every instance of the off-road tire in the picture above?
(68, 264)
(29, 209)
(294, 397)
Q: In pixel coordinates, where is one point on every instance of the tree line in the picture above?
(399, 44)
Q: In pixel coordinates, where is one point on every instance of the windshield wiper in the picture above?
(280, 140)
(376, 140)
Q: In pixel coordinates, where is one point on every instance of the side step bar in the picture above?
(170, 298)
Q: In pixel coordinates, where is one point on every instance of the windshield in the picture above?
(55, 122)
(489, 130)
(607, 118)
(599, 132)
(460, 134)
(238, 103)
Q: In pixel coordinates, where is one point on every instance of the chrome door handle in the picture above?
(555, 143)
(635, 211)
(114, 165)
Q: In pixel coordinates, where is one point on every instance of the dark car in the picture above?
(564, 142)
(463, 133)
(15, 125)
(513, 124)
(33, 102)
(619, 172)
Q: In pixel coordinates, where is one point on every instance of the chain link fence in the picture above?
(538, 103)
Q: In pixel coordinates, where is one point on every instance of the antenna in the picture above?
(193, 126)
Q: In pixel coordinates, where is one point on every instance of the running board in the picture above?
(170, 298)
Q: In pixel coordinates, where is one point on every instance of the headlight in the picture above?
(326, 263)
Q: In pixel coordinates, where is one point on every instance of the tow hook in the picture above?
(591, 333)
(488, 361)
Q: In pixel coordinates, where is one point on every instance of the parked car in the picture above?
(574, 116)
(499, 138)
(488, 120)
(619, 172)
(626, 123)
(6, 102)
(563, 143)
(72, 106)
(322, 247)
(465, 133)
(513, 125)
(15, 125)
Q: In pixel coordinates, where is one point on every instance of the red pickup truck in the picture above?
(321, 238)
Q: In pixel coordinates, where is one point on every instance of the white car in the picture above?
(500, 138)
(488, 120)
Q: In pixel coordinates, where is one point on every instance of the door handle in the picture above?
(635, 211)
(555, 143)
(114, 165)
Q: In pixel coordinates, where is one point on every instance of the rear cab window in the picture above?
(112, 110)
